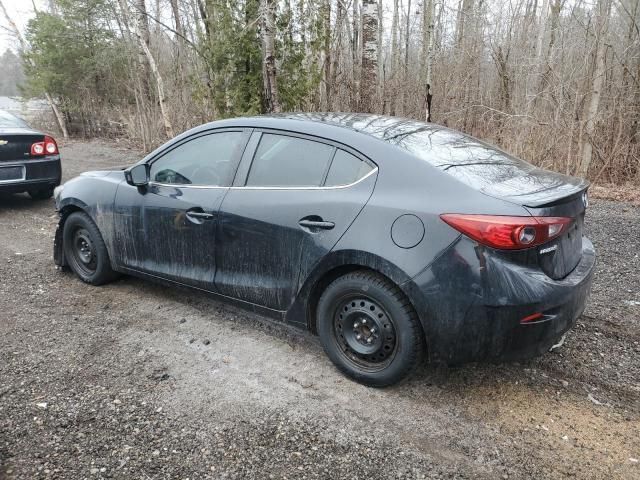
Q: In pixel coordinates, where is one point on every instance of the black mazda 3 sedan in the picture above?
(391, 239)
(29, 160)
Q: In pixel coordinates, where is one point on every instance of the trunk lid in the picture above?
(18, 143)
(549, 194)
(535, 187)
(560, 256)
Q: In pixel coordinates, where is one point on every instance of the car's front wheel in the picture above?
(369, 329)
(85, 251)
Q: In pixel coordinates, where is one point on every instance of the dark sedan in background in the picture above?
(29, 160)
(392, 239)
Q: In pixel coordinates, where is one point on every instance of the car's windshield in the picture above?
(8, 120)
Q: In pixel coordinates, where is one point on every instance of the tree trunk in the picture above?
(464, 9)
(427, 53)
(142, 34)
(176, 20)
(369, 56)
(380, 91)
(542, 26)
(272, 102)
(395, 54)
(405, 66)
(340, 16)
(597, 81)
(355, 50)
(325, 91)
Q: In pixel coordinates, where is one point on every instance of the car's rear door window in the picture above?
(346, 169)
(287, 161)
(206, 160)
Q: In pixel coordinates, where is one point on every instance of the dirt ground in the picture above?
(138, 381)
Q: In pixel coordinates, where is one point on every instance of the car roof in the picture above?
(381, 127)
(356, 130)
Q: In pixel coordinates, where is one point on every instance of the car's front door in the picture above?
(168, 228)
(293, 199)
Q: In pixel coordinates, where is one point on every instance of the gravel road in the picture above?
(138, 381)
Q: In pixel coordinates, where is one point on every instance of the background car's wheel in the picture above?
(369, 329)
(41, 194)
(85, 251)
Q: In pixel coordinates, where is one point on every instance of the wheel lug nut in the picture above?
(358, 337)
(369, 340)
(364, 321)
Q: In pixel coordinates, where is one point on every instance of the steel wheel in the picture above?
(83, 251)
(369, 329)
(365, 333)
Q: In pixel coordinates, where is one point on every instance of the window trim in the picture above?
(236, 157)
(242, 174)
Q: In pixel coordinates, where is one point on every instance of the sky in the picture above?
(20, 11)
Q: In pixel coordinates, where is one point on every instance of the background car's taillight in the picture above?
(508, 233)
(47, 147)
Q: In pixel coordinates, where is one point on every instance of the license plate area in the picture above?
(560, 256)
(12, 174)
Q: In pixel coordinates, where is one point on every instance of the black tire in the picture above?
(369, 329)
(85, 251)
(41, 194)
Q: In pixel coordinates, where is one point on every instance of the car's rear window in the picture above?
(8, 120)
(346, 169)
(469, 160)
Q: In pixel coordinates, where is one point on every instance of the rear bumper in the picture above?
(44, 173)
(480, 318)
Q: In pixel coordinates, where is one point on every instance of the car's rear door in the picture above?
(168, 229)
(293, 198)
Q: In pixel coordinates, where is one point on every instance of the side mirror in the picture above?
(138, 175)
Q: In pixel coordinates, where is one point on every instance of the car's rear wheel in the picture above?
(85, 251)
(41, 194)
(369, 329)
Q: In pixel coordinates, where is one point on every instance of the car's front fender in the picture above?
(93, 195)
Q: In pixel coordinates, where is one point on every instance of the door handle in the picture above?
(198, 216)
(316, 224)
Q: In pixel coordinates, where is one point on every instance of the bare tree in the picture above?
(325, 60)
(369, 55)
(597, 82)
(141, 31)
(427, 53)
(268, 56)
(141, 22)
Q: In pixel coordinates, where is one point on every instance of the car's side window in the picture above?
(206, 160)
(284, 161)
(346, 169)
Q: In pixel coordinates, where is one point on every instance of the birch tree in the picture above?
(369, 56)
(268, 55)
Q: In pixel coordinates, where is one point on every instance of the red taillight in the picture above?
(509, 233)
(47, 147)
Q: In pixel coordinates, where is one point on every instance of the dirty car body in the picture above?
(269, 211)
(29, 159)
